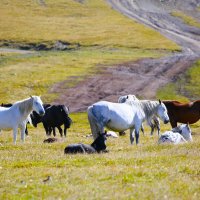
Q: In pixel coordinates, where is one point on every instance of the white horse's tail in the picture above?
(93, 122)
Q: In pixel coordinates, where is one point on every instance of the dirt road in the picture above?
(143, 77)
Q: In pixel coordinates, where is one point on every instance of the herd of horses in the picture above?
(128, 113)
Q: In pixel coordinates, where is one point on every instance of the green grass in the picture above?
(88, 24)
(186, 18)
(146, 171)
(185, 88)
(22, 75)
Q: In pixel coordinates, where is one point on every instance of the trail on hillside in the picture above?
(142, 77)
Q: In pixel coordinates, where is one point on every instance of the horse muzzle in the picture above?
(41, 113)
(166, 121)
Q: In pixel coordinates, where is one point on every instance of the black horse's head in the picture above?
(100, 143)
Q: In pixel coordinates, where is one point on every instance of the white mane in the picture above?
(25, 106)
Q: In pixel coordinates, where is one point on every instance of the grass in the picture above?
(35, 73)
(146, 171)
(88, 24)
(186, 18)
(186, 87)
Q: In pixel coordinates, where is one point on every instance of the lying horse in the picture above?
(96, 147)
(16, 116)
(154, 123)
(122, 116)
(177, 135)
(183, 112)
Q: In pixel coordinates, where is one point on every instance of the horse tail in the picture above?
(93, 122)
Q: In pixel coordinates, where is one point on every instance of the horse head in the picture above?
(162, 112)
(186, 131)
(38, 105)
(100, 143)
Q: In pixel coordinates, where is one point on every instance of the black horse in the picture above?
(55, 116)
(99, 145)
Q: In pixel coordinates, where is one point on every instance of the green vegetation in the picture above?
(146, 171)
(89, 24)
(193, 81)
(22, 75)
(186, 18)
(186, 87)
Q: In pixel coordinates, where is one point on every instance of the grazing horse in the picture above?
(16, 116)
(55, 116)
(96, 147)
(153, 123)
(122, 116)
(177, 135)
(183, 112)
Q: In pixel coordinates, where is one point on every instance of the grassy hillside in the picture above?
(22, 75)
(186, 87)
(90, 23)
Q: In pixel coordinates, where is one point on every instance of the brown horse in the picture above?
(183, 112)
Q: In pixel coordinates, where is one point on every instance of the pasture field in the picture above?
(89, 24)
(104, 37)
(36, 73)
(146, 171)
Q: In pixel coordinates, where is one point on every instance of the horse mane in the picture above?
(148, 107)
(24, 105)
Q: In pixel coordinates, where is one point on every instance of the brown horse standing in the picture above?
(183, 112)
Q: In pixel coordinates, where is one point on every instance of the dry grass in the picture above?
(91, 23)
(146, 171)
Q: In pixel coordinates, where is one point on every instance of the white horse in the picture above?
(16, 116)
(177, 135)
(154, 122)
(122, 116)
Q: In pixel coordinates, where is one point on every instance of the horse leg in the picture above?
(173, 123)
(156, 124)
(23, 127)
(60, 131)
(152, 129)
(15, 134)
(46, 128)
(54, 131)
(65, 130)
(26, 130)
(142, 129)
(137, 130)
(131, 135)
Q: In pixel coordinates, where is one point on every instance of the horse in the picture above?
(15, 117)
(55, 116)
(154, 123)
(96, 147)
(122, 116)
(7, 105)
(177, 135)
(183, 112)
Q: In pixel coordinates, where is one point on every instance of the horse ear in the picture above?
(127, 97)
(31, 97)
(159, 101)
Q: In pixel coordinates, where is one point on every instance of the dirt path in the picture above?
(143, 77)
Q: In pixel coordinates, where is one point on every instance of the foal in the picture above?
(96, 147)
